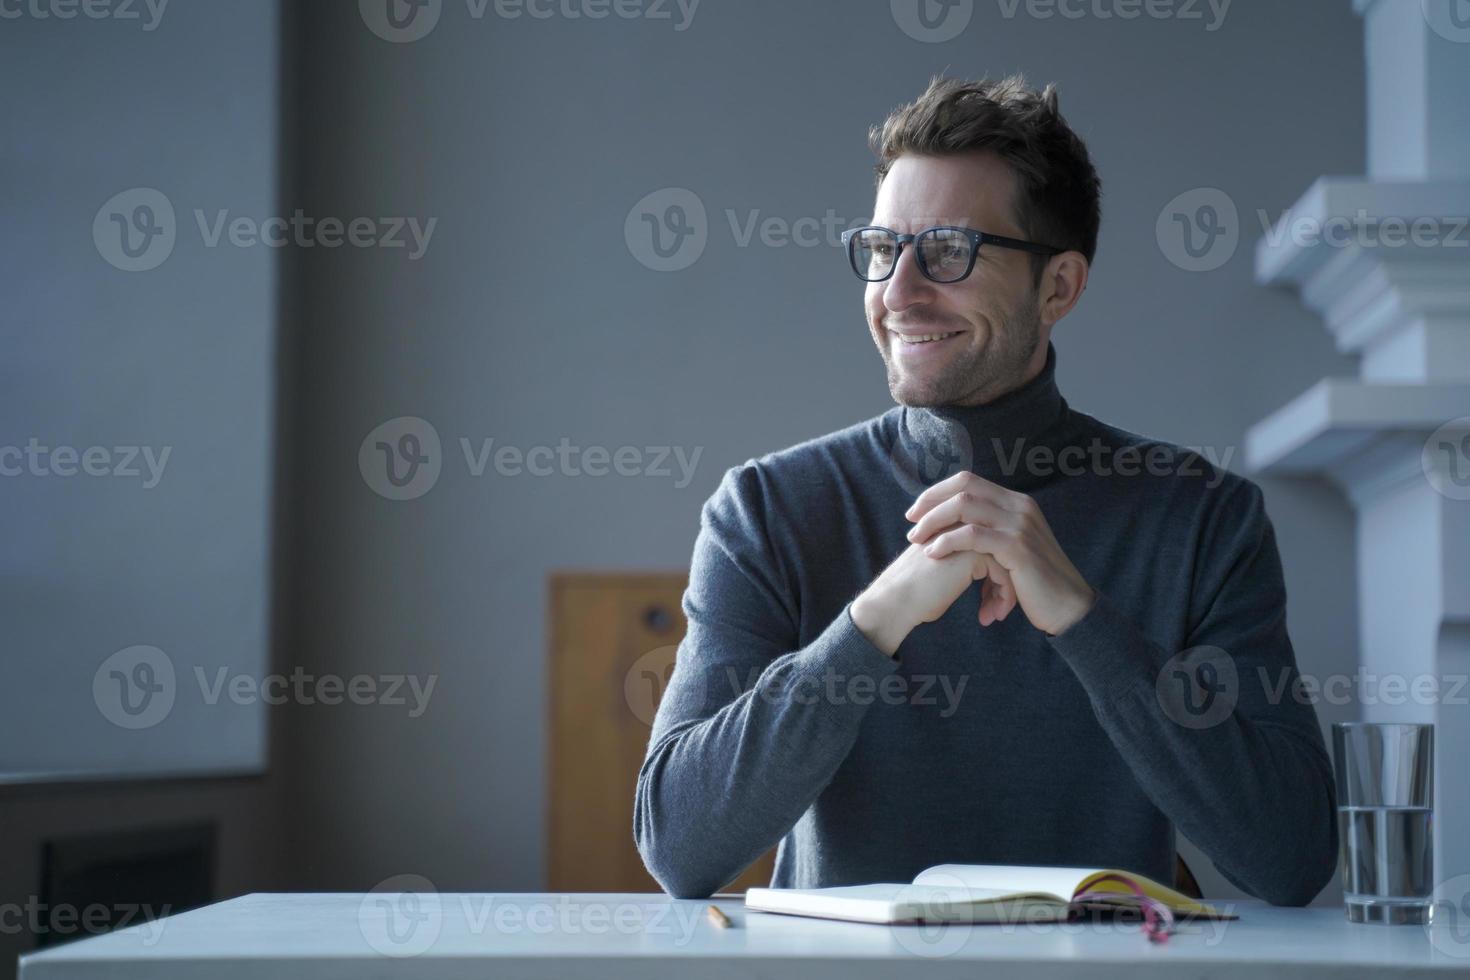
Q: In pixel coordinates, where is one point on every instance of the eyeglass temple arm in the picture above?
(1004, 242)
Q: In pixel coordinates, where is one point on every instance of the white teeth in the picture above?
(925, 338)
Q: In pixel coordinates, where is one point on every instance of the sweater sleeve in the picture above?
(1218, 734)
(744, 740)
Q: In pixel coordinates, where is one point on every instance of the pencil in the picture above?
(719, 918)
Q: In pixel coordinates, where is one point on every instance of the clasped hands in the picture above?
(967, 529)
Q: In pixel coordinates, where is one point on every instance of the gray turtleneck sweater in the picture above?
(1169, 704)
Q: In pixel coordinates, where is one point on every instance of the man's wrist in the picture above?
(876, 617)
(1082, 608)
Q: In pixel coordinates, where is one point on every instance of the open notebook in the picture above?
(975, 893)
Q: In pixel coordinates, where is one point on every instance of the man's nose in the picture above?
(907, 285)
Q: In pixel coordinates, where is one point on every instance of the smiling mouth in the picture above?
(915, 340)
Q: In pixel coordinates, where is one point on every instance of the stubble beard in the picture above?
(975, 376)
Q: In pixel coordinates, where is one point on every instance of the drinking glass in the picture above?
(1385, 809)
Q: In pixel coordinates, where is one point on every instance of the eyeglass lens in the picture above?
(942, 253)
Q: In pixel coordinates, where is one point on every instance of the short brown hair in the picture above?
(1059, 190)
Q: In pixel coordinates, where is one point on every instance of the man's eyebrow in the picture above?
(919, 225)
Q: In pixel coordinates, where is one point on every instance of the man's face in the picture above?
(993, 336)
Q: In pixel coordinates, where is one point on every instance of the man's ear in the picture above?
(1062, 284)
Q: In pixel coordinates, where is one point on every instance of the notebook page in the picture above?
(1061, 882)
(877, 902)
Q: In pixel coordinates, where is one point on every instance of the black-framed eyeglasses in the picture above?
(945, 253)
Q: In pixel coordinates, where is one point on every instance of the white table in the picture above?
(605, 936)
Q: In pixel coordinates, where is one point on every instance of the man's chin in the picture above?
(919, 392)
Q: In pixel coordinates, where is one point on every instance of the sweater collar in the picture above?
(990, 440)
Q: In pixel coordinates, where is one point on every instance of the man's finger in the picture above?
(973, 537)
(939, 493)
(998, 595)
(962, 508)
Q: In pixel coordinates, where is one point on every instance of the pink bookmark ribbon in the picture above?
(1158, 918)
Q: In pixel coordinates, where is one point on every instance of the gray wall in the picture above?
(524, 136)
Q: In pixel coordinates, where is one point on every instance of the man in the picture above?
(1117, 673)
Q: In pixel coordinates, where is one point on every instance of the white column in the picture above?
(1384, 259)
